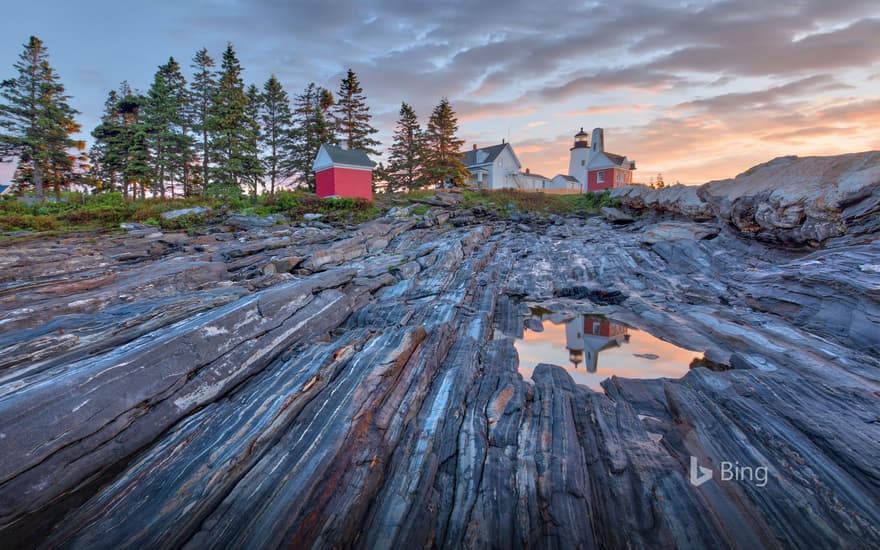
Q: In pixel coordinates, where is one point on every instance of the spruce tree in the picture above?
(228, 125)
(406, 155)
(165, 114)
(276, 125)
(36, 121)
(351, 116)
(252, 168)
(134, 143)
(443, 158)
(310, 130)
(107, 158)
(201, 94)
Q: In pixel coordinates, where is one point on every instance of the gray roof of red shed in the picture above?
(351, 157)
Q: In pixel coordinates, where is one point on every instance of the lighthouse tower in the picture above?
(580, 153)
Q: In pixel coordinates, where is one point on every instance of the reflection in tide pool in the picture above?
(592, 348)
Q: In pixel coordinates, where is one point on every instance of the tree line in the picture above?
(212, 134)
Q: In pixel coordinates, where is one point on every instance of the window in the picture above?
(600, 177)
(583, 162)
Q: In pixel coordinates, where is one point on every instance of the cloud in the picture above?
(687, 88)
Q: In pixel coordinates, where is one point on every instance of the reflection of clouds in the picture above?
(549, 346)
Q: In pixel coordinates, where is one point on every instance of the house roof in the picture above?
(492, 152)
(3, 188)
(351, 157)
(616, 159)
(566, 177)
(534, 175)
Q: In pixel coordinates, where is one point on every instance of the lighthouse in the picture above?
(580, 156)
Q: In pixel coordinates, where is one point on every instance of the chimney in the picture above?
(598, 140)
(475, 146)
(527, 170)
(502, 141)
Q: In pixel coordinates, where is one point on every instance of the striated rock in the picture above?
(678, 199)
(799, 201)
(360, 388)
(250, 222)
(678, 231)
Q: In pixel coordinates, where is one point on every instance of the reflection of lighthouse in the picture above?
(574, 341)
(586, 336)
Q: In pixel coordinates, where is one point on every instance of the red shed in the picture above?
(343, 172)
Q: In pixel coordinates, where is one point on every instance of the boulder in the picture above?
(799, 201)
(194, 211)
(615, 215)
(676, 199)
(250, 222)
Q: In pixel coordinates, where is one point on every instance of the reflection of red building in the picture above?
(586, 337)
(603, 327)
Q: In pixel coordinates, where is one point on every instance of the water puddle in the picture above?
(592, 348)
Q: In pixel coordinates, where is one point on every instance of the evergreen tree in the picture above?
(406, 155)
(660, 183)
(443, 158)
(121, 154)
(311, 129)
(276, 120)
(165, 114)
(229, 127)
(107, 158)
(134, 143)
(351, 116)
(252, 167)
(36, 122)
(201, 94)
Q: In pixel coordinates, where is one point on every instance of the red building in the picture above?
(343, 172)
(606, 170)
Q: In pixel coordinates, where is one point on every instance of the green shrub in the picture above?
(182, 222)
(28, 221)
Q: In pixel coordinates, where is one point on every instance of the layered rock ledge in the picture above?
(316, 387)
(789, 200)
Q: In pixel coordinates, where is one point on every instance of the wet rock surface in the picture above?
(303, 387)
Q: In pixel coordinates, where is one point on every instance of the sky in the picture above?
(693, 90)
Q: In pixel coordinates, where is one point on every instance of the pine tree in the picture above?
(201, 94)
(276, 121)
(351, 116)
(165, 114)
(134, 143)
(443, 158)
(107, 158)
(310, 130)
(660, 183)
(406, 155)
(36, 121)
(252, 167)
(228, 125)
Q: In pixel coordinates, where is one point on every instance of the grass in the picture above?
(108, 210)
(508, 200)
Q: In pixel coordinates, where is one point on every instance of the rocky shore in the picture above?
(312, 386)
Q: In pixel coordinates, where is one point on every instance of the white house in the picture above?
(492, 167)
(533, 182)
(568, 183)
